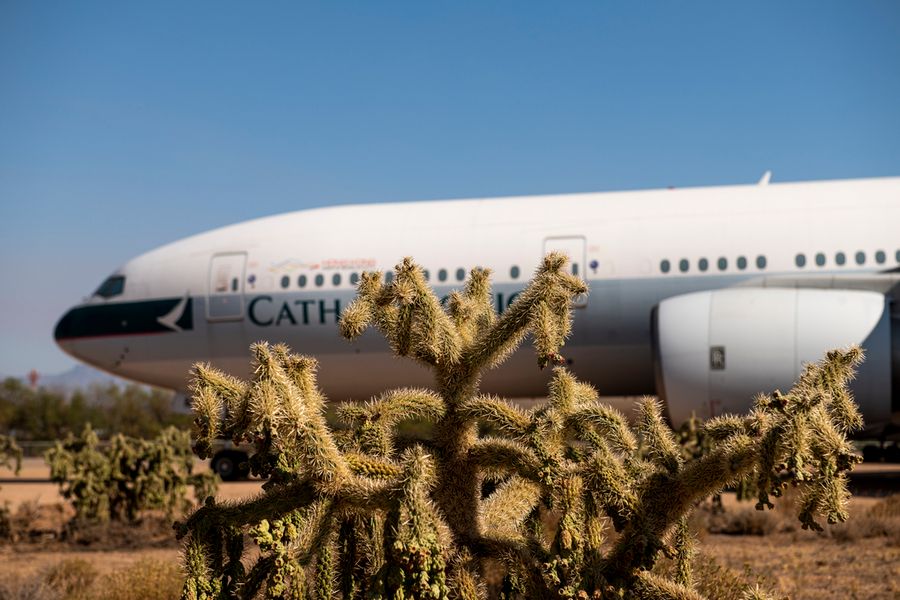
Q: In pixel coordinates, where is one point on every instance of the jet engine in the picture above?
(715, 350)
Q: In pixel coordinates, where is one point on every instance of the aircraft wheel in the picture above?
(230, 465)
(892, 453)
(872, 454)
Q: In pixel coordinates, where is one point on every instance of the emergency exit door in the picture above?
(573, 247)
(225, 294)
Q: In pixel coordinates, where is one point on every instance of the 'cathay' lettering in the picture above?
(265, 311)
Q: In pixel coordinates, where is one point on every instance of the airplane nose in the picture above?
(65, 327)
(66, 333)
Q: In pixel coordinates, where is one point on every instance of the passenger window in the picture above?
(800, 260)
(336, 279)
(389, 277)
(897, 257)
(820, 259)
(664, 266)
(426, 274)
(320, 279)
(683, 265)
(742, 262)
(880, 257)
(514, 272)
(722, 263)
(840, 259)
(703, 264)
(115, 285)
(460, 274)
(354, 278)
(285, 281)
(442, 275)
(860, 258)
(760, 262)
(301, 281)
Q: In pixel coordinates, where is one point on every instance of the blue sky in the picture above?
(124, 126)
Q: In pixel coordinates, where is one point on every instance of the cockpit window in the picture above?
(113, 286)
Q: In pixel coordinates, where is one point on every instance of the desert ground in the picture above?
(856, 560)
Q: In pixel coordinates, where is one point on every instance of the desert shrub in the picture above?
(127, 476)
(18, 587)
(889, 508)
(78, 579)
(865, 526)
(745, 521)
(71, 577)
(146, 579)
(349, 514)
(881, 520)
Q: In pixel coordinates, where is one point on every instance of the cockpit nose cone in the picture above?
(64, 327)
(66, 333)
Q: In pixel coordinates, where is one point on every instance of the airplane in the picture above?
(702, 296)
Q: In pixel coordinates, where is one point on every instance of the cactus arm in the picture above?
(505, 417)
(502, 456)
(609, 424)
(652, 587)
(543, 308)
(660, 441)
(408, 314)
(504, 511)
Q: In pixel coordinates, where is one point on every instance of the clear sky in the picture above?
(127, 125)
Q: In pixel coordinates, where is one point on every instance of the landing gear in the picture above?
(230, 465)
(888, 452)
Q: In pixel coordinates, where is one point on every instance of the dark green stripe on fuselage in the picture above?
(122, 318)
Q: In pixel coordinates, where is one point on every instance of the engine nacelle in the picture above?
(715, 350)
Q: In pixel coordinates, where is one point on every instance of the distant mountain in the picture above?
(78, 377)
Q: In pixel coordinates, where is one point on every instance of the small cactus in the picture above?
(127, 476)
(10, 454)
(357, 514)
(10, 458)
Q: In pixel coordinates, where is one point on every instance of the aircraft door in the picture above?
(225, 294)
(573, 247)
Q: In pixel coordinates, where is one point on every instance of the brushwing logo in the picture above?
(171, 318)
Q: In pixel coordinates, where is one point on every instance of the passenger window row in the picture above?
(336, 278)
(703, 265)
(840, 259)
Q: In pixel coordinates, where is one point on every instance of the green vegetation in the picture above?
(10, 458)
(43, 414)
(128, 476)
(10, 454)
(568, 499)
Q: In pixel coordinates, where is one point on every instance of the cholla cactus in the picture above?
(10, 458)
(351, 514)
(10, 454)
(126, 476)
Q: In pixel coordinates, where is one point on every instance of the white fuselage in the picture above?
(258, 280)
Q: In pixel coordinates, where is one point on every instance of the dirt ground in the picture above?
(804, 565)
(848, 563)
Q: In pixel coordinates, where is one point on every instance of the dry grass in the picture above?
(79, 579)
